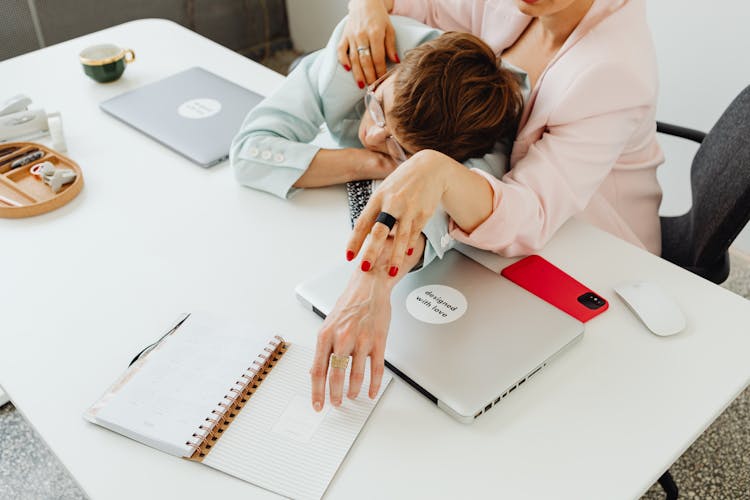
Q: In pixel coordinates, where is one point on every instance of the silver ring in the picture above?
(363, 51)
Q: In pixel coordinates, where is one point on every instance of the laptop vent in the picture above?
(527, 377)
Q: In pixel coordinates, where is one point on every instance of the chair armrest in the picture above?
(683, 132)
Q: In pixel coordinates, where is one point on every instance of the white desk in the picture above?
(603, 421)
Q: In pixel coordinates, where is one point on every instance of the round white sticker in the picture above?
(196, 109)
(436, 304)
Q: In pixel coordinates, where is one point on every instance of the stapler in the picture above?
(17, 121)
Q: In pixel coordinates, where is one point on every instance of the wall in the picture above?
(311, 21)
(704, 62)
(17, 31)
(251, 27)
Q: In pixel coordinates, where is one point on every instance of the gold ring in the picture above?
(339, 361)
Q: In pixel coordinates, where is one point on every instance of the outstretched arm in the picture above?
(555, 180)
(357, 327)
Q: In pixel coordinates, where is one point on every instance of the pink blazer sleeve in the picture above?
(556, 179)
(448, 15)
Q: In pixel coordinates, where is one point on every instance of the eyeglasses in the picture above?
(375, 108)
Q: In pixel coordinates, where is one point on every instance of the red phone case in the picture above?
(552, 284)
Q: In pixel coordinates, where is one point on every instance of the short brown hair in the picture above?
(452, 95)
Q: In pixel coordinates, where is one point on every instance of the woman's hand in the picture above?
(410, 194)
(368, 27)
(357, 327)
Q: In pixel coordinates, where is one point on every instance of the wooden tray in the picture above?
(18, 184)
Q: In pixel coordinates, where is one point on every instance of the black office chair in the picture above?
(720, 178)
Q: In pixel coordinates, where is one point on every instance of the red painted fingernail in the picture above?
(397, 59)
(349, 255)
(361, 84)
(393, 271)
(347, 67)
(365, 265)
(410, 251)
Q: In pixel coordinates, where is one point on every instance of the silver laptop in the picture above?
(194, 112)
(461, 334)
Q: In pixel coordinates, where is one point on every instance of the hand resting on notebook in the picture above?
(357, 327)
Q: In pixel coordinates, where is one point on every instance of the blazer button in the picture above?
(446, 240)
(278, 157)
(266, 155)
(253, 152)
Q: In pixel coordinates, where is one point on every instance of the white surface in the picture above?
(702, 54)
(652, 305)
(3, 398)
(610, 415)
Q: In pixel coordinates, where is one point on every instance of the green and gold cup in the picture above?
(105, 62)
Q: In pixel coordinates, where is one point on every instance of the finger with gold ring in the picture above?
(340, 362)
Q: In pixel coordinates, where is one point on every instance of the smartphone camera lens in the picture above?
(591, 300)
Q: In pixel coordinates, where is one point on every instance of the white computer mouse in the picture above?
(653, 306)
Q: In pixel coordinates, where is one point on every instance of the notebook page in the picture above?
(280, 443)
(181, 382)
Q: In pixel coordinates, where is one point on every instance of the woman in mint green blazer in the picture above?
(449, 94)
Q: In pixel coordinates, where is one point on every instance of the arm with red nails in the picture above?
(358, 327)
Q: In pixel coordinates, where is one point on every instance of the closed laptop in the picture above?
(195, 112)
(461, 334)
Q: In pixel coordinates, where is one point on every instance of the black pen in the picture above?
(150, 347)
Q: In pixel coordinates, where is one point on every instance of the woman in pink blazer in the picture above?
(586, 147)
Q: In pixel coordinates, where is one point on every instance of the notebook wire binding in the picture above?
(237, 396)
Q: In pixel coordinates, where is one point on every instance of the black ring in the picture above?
(387, 219)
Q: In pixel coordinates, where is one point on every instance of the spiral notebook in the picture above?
(251, 396)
